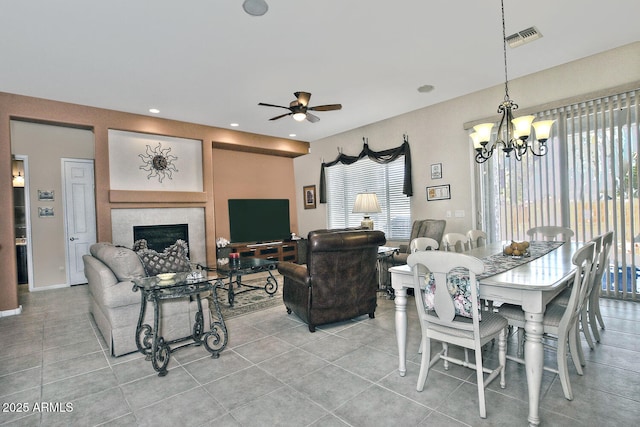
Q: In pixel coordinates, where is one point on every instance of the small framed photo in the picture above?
(46, 195)
(439, 192)
(436, 171)
(309, 192)
(45, 212)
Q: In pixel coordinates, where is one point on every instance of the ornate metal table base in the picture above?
(150, 341)
(270, 287)
(234, 270)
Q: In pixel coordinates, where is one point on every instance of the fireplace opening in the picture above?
(159, 237)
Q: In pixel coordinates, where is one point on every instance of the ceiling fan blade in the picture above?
(280, 116)
(328, 107)
(272, 105)
(302, 97)
(312, 118)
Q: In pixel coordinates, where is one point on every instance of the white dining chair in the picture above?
(443, 322)
(560, 320)
(583, 325)
(477, 238)
(593, 308)
(591, 311)
(423, 244)
(454, 242)
(564, 297)
(550, 232)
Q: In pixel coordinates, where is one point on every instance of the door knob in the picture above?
(72, 239)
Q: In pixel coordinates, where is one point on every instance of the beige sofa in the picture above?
(115, 307)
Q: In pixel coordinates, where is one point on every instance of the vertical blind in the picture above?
(588, 181)
(344, 182)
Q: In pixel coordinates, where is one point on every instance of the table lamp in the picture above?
(366, 203)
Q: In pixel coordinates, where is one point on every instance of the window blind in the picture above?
(588, 181)
(344, 182)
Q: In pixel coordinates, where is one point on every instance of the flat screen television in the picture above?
(259, 220)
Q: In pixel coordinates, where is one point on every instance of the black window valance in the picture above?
(384, 156)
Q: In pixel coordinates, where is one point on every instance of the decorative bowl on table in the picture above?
(166, 278)
(517, 249)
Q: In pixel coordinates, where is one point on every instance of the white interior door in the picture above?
(80, 215)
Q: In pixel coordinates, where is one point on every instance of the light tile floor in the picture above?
(274, 372)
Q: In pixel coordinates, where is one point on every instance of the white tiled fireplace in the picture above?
(123, 221)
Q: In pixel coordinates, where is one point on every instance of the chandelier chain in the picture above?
(513, 133)
(504, 50)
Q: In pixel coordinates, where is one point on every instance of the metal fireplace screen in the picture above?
(159, 237)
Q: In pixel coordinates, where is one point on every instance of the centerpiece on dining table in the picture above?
(517, 249)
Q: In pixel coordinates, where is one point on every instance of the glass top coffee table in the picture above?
(187, 285)
(234, 269)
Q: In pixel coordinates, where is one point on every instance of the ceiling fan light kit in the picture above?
(299, 108)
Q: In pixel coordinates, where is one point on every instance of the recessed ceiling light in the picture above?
(425, 88)
(234, 125)
(255, 7)
(292, 135)
(154, 110)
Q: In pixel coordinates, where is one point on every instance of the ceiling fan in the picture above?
(299, 108)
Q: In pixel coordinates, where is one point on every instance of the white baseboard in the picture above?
(48, 288)
(14, 312)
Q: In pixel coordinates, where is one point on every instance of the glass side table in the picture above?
(149, 339)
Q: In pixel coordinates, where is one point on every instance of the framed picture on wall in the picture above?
(439, 192)
(46, 195)
(436, 171)
(309, 192)
(45, 212)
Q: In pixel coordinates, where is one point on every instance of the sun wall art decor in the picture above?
(158, 162)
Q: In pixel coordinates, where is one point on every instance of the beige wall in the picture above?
(99, 121)
(436, 133)
(238, 175)
(45, 146)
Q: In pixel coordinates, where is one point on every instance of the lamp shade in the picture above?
(366, 203)
(543, 129)
(476, 140)
(483, 132)
(522, 126)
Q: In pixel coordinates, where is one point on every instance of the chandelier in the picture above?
(513, 133)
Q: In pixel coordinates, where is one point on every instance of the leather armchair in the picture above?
(433, 228)
(339, 281)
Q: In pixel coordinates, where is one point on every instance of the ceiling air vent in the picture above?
(524, 36)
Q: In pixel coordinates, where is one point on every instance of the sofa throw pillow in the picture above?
(140, 245)
(172, 259)
(124, 262)
(458, 286)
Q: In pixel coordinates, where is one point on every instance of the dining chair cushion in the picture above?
(490, 325)
(458, 285)
(552, 315)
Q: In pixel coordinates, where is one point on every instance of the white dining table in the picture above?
(531, 285)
